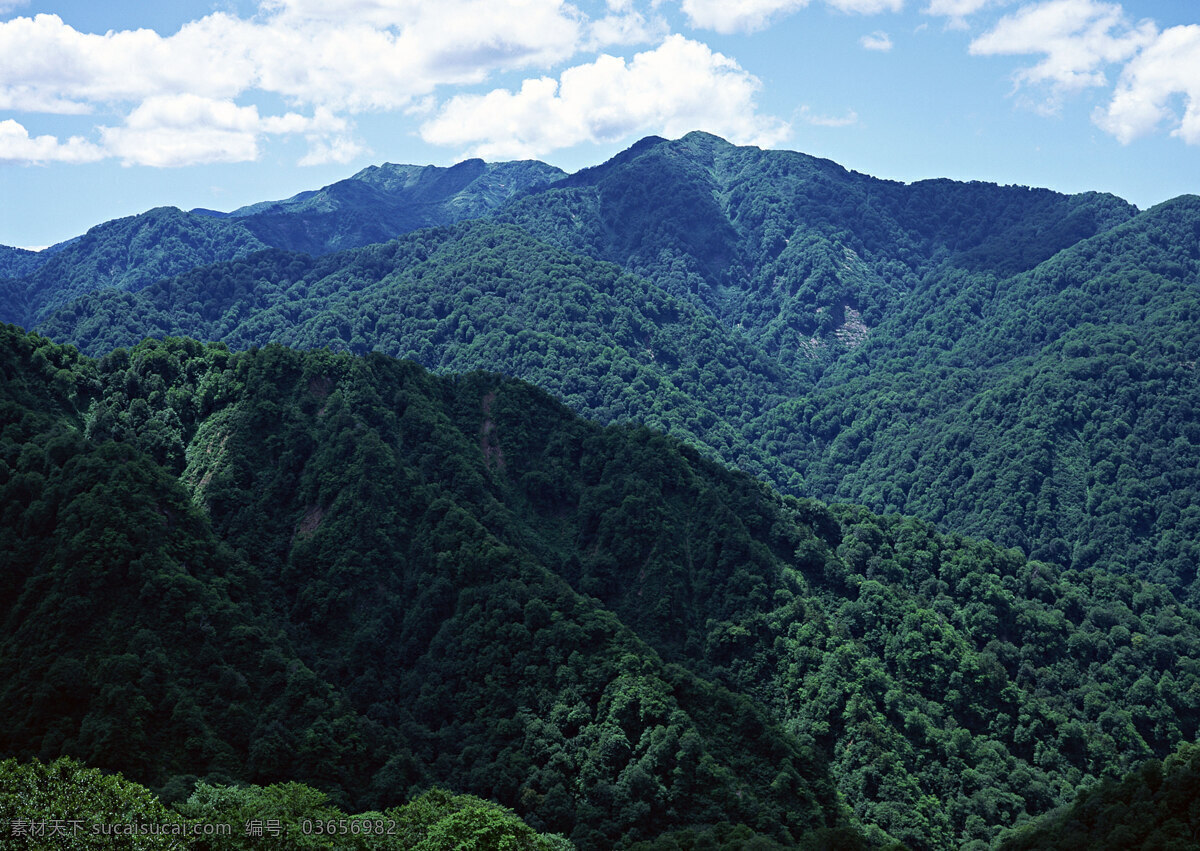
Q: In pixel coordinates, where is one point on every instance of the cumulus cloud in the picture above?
(175, 130)
(625, 25)
(183, 130)
(1165, 69)
(342, 55)
(48, 66)
(679, 86)
(877, 40)
(1078, 39)
(16, 145)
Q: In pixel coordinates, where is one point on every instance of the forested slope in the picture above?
(1157, 806)
(372, 206)
(351, 573)
(15, 262)
(1008, 362)
(276, 566)
(124, 254)
(476, 295)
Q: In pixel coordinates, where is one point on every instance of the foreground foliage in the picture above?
(67, 805)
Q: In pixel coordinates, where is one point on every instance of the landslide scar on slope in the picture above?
(488, 444)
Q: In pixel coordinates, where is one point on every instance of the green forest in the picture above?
(708, 498)
(601, 629)
(1026, 377)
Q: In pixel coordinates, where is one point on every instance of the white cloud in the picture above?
(679, 86)
(375, 55)
(955, 8)
(817, 120)
(48, 66)
(729, 16)
(345, 55)
(625, 26)
(877, 40)
(16, 145)
(1077, 37)
(181, 130)
(1168, 67)
(176, 130)
(339, 149)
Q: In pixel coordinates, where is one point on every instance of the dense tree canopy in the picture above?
(234, 562)
(1004, 361)
(346, 572)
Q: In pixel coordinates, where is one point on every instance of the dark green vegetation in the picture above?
(1006, 362)
(376, 204)
(1157, 806)
(346, 572)
(66, 805)
(15, 262)
(273, 566)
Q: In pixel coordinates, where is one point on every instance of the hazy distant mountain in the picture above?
(125, 254)
(381, 202)
(375, 205)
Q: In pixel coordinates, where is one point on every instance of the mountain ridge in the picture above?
(838, 335)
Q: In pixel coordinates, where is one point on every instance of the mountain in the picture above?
(478, 294)
(15, 262)
(345, 571)
(279, 566)
(124, 254)
(382, 201)
(1004, 361)
(783, 243)
(372, 206)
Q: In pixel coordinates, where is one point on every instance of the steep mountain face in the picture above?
(278, 566)
(349, 572)
(1053, 410)
(783, 244)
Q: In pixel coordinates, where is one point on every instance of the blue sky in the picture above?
(110, 109)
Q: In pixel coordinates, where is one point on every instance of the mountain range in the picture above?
(631, 627)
